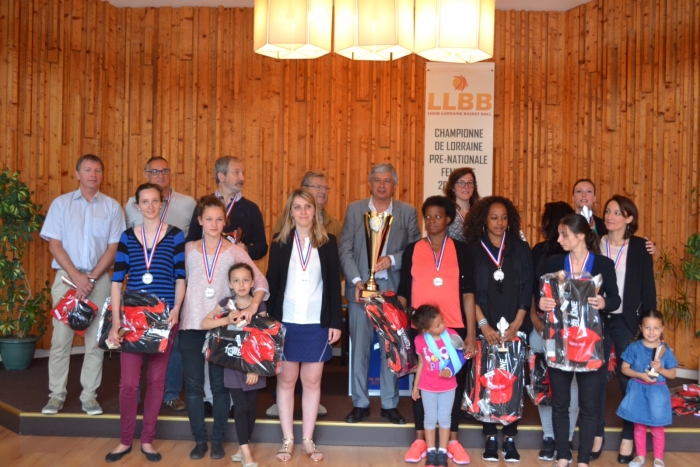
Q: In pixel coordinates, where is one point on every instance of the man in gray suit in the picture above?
(353, 259)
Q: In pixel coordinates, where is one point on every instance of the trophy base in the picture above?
(652, 374)
(369, 293)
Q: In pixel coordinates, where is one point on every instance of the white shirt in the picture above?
(85, 229)
(303, 295)
(621, 268)
(179, 212)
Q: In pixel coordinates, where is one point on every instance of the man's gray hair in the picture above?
(312, 174)
(221, 165)
(156, 158)
(382, 168)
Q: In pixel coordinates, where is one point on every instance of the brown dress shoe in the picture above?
(177, 405)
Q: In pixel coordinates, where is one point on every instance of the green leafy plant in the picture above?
(21, 311)
(680, 308)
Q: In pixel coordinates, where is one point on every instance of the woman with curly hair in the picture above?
(503, 283)
(462, 190)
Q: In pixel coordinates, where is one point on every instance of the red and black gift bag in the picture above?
(74, 313)
(144, 323)
(539, 390)
(494, 388)
(391, 321)
(257, 348)
(573, 330)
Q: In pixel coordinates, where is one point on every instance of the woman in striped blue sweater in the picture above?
(150, 257)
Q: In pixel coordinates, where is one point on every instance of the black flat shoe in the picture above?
(357, 414)
(596, 454)
(115, 456)
(217, 451)
(394, 416)
(199, 450)
(621, 459)
(152, 456)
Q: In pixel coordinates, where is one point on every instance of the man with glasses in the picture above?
(317, 183)
(245, 223)
(177, 207)
(353, 259)
(176, 210)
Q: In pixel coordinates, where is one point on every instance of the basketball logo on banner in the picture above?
(459, 107)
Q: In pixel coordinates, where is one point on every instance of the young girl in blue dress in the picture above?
(647, 402)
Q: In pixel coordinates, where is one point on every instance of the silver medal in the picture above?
(147, 278)
(498, 274)
(437, 282)
(209, 292)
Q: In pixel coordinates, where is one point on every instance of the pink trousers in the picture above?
(658, 437)
(131, 364)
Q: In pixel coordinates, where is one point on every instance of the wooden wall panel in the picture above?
(608, 90)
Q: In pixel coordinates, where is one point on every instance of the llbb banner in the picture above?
(459, 106)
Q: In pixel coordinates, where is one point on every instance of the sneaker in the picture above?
(456, 452)
(637, 462)
(272, 411)
(491, 450)
(431, 459)
(510, 454)
(52, 407)
(547, 451)
(416, 452)
(177, 405)
(91, 407)
(321, 410)
(441, 459)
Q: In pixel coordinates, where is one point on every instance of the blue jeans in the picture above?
(173, 376)
(193, 362)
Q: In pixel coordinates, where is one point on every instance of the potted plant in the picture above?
(22, 312)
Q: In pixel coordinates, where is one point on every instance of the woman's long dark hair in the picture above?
(579, 225)
(552, 215)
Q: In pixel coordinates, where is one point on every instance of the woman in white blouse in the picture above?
(304, 279)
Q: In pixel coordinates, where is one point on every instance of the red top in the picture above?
(425, 292)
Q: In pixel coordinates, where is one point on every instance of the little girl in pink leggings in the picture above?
(649, 362)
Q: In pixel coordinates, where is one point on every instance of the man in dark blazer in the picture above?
(353, 260)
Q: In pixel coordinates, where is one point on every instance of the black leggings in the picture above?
(244, 413)
(419, 413)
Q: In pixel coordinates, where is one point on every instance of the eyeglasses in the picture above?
(462, 184)
(156, 171)
(318, 187)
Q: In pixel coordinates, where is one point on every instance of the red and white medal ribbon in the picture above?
(619, 253)
(303, 259)
(498, 274)
(438, 260)
(210, 292)
(167, 205)
(461, 217)
(148, 277)
(583, 265)
(231, 204)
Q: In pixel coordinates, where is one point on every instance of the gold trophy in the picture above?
(377, 227)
